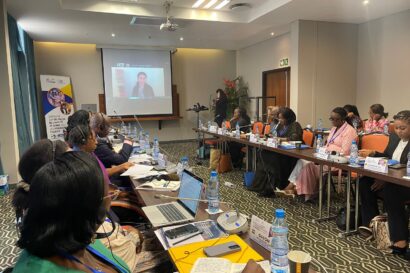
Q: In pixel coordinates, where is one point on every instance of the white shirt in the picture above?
(399, 150)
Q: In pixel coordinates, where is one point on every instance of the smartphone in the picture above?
(222, 249)
(181, 231)
(398, 166)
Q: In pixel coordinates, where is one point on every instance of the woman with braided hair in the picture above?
(394, 196)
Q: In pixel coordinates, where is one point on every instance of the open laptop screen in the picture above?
(191, 187)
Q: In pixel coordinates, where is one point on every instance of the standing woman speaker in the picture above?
(221, 104)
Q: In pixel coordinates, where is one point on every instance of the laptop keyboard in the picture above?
(171, 213)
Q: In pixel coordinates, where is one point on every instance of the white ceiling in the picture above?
(93, 21)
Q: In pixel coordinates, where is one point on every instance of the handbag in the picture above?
(380, 233)
(214, 158)
(225, 163)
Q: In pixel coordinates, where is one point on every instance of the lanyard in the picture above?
(283, 131)
(99, 255)
(338, 133)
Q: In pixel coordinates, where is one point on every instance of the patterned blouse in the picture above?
(372, 126)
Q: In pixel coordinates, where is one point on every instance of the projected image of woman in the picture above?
(142, 89)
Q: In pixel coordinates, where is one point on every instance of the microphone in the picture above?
(139, 124)
(122, 121)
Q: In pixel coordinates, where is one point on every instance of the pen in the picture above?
(167, 183)
(189, 237)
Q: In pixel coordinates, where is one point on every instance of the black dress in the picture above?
(273, 169)
(220, 110)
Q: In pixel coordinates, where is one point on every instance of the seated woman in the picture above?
(241, 118)
(353, 116)
(394, 196)
(274, 169)
(68, 197)
(378, 119)
(115, 163)
(305, 176)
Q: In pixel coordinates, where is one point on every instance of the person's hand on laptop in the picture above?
(253, 267)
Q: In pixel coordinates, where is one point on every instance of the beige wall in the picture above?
(196, 72)
(8, 132)
(384, 64)
(265, 56)
(327, 55)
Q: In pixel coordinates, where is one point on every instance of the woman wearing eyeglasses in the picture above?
(305, 176)
(273, 169)
(394, 196)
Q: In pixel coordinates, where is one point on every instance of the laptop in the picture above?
(180, 211)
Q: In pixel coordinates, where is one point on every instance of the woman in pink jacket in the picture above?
(305, 176)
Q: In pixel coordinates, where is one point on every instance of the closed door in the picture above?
(276, 83)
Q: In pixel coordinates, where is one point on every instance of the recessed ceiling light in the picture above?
(181, 38)
(272, 33)
(113, 35)
(198, 3)
(366, 2)
(222, 4)
(210, 4)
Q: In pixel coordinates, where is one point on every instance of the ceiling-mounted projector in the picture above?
(168, 26)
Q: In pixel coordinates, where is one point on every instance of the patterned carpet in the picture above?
(351, 254)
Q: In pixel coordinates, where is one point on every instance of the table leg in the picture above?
(347, 231)
(320, 192)
(329, 217)
(254, 159)
(356, 212)
(247, 157)
(329, 180)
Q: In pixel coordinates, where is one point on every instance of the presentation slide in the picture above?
(137, 82)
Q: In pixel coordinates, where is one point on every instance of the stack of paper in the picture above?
(137, 170)
(139, 158)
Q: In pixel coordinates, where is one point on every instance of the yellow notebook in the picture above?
(185, 256)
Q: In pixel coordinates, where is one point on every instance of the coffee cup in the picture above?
(298, 145)
(299, 261)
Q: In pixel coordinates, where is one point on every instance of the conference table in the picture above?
(392, 176)
(147, 197)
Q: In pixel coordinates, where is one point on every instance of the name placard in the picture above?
(272, 142)
(252, 138)
(376, 164)
(220, 131)
(213, 129)
(322, 154)
(260, 232)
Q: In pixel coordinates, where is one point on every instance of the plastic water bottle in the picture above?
(155, 149)
(279, 244)
(237, 131)
(386, 129)
(257, 135)
(318, 143)
(209, 125)
(147, 144)
(354, 154)
(200, 125)
(135, 132)
(223, 127)
(320, 125)
(213, 193)
(408, 164)
(182, 165)
(142, 141)
(355, 124)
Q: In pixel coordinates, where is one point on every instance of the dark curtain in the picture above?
(24, 85)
